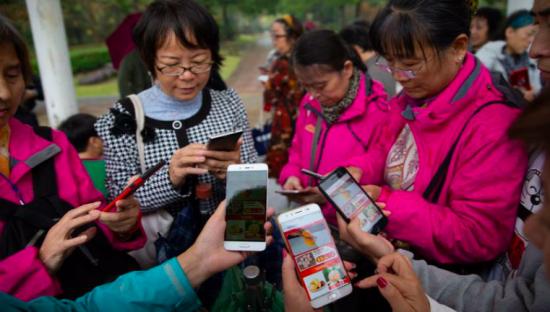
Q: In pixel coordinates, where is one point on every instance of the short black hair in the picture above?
(8, 34)
(494, 20)
(324, 47)
(521, 16)
(357, 33)
(403, 25)
(187, 19)
(79, 129)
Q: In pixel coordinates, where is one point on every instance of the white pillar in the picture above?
(52, 51)
(514, 5)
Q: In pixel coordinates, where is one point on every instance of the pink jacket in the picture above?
(473, 220)
(351, 135)
(22, 274)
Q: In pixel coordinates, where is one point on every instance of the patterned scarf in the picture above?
(4, 151)
(332, 113)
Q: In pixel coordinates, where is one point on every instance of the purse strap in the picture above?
(140, 124)
(434, 189)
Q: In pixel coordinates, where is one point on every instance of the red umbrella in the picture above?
(120, 41)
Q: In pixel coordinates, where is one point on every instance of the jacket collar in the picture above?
(27, 149)
(470, 81)
(356, 109)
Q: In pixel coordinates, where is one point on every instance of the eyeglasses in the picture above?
(178, 70)
(407, 73)
(277, 36)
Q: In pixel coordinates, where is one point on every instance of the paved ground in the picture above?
(243, 80)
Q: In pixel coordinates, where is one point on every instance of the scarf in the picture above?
(332, 113)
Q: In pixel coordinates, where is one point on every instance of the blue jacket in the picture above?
(162, 288)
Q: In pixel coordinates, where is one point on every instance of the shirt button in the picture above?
(177, 125)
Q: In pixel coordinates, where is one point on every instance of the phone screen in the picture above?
(350, 198)
(246, 205)
(320, 267)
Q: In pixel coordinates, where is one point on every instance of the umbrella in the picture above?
(120, 41)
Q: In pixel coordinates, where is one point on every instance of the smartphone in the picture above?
(224, 141)
(263, 78)
(293, 192)
(519, 78)
(133, 187)
(350, 200)
(321, 270)
(246, 198)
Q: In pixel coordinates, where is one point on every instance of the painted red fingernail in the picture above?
(382, 283)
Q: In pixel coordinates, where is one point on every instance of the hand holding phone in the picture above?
(134, 185)
(319, 266)
(519, 78)
(351, 201)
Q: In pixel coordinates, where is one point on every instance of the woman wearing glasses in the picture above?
(341, 113)
(447, 166)
(179, 43)
(282, 92)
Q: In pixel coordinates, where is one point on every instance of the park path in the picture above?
(243, 80)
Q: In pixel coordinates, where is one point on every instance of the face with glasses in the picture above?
(427, 73)
(182, 72)
(279, 38)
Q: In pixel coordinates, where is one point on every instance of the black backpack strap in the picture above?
(433, 191)
(44, 187)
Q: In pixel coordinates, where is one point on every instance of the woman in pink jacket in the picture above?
(447, 166)
(338, 118)
(41, 177)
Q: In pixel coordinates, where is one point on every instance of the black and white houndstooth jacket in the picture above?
(221, 111)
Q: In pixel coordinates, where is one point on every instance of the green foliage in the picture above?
(90, 58)
(84, 58)
(106, 88)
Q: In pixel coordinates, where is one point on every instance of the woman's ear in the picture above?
(348, 69)
(460, 47)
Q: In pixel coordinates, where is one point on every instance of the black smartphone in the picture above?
(351, 201)
(224, 141)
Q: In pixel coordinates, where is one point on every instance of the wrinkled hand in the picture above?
(313, 196)
(126, 217)
(59, 243)
(373, 246)
(399, 284)
(217, 161)
(355, 172)
(125, 220)
(208, 256)
(373, 190)
(184, 162)
(528, 95)
(295, 297)
(293, 183)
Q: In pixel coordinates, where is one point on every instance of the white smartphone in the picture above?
(246, 199)
(319, 266)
